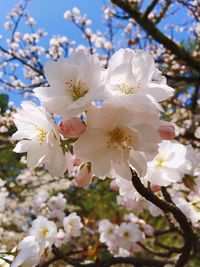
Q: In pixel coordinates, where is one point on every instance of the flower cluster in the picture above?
(122, 240)
(110, 117)
(43, 234)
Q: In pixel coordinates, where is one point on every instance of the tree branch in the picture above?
(150, 28)
(150, 8)
(24, 62)
(157, 19)
(137, 262)
(179, 216)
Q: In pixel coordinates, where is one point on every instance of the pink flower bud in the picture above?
(76, 161)
(155, 188)
(114, 186)
(166, 130)
(60, 235)
(72, 127)
(84, 175)
(148, 229)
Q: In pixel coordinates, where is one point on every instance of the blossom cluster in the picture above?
(103, 122)
(122, 240)
(43, 234)
(110, 118)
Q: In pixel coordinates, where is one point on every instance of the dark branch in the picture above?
(150, 8)
(150, 28)
(157, 19)
(169, 206)
(24, 62)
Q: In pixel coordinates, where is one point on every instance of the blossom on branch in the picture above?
(28, 253)
(74, 83)
(113, 140)
(39, 138)
(169, 165)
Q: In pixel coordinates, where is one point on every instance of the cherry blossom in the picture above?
(74, 83)
(39, 138)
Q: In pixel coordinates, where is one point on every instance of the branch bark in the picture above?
(150, 28)
(169, 206)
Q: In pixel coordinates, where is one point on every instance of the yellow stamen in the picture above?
(119, 137)
(126, 234)
(44, 231)
(127, 89)
(41, 134)
(160, 161)
(196, 205)
(76, 91)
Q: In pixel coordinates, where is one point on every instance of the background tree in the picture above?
(24, 194)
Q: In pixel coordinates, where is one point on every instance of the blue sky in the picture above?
(49, 16)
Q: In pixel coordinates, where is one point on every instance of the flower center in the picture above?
(110, 231)
(71, 226)
(196, 205)
(160, 161)
(76, 91)
(41, 134)
(44, 231)
(125, 89)
(126, 234)
(119, 137)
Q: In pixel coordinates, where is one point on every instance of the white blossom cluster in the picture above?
(42, 235)
(125, 131)
(3, 197)
(122, 240)
(109, 124)
(109, 117)
(169, 167)
(51, 207)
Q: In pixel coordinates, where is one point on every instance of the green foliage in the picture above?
(97, 201)
(10, 165)
(3, 103)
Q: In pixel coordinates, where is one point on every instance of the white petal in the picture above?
(56, 162)
(123, 170)
(160, 92)
(90, 144)
(22, 146)
(138, 162)
(35, 155)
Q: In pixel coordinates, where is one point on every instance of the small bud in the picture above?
(84, 175)
(166, 130)
(114, 186)
(72, 127)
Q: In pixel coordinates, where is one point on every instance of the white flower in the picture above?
(3, 198)
(189, 208)
(113, 141)
(57, 216)
(8, 25)
(57, 202)
(39, 138)
(44, 231)
(128, 235)
(72, 225)
(107, 231)
(169, 165)
(40, 199)
(74, 83)
(131, 74)
(127, 190)
(28, 253)
(67, 15)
